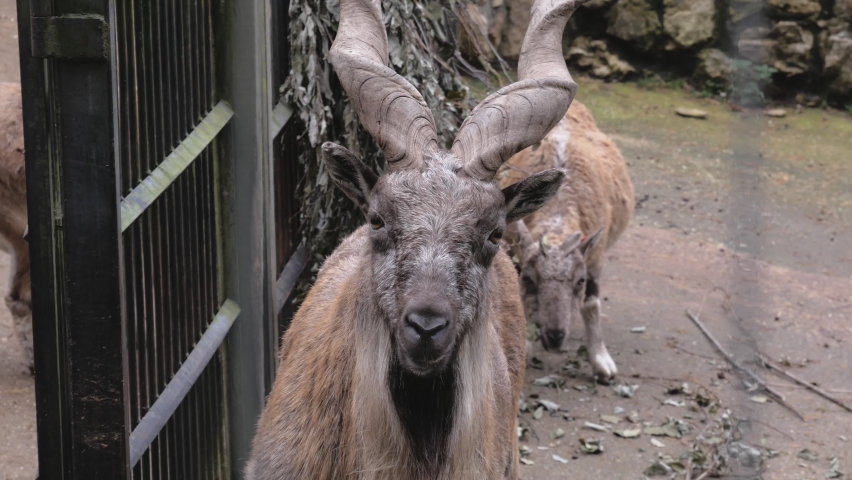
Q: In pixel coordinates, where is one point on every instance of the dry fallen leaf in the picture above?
(657, 443)
(628, 433)
(626, 391)
(806, 454)
(595, 426)
(610, 419)
(548, 405)
(593, 446)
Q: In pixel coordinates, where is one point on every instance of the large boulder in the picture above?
(785, 47)
(838, 64)
(714, 69)
(636, 22)
(843, 9)
(594, 57)
(793, 47)
(689, 22)
(828, 29)
(795, 8)
(517, 20)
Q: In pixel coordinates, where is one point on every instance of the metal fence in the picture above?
(165, 90)
(150, 149)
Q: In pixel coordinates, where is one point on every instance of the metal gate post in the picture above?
(73, 206)
(248, 229)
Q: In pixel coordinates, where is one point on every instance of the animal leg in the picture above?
(603, 365)
(19, 304)
(24, 331)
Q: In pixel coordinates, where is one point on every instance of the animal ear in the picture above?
(528, 195)
(589, 243)
(571, 242)
(350, 174)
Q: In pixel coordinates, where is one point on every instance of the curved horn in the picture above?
(521, 114)
(388, 106)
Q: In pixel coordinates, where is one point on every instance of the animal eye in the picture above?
(496, 235)
(376, 222)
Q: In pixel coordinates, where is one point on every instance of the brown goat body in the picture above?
(567, 238)
(13, 214)
(331, 404)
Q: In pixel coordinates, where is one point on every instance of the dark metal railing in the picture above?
(168, 117)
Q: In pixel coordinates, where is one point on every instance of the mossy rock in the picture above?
(635, 21)
(689, 22)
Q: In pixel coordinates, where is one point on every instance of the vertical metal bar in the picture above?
(203, 316)
(176, 319)
(168, 313)
(164, 339)
(124, 87)
(185, 92)
(243, 44)
(125, 90)
(45, 264)
(151, 157)
(187, 311)
(146, 335)
(169, 294)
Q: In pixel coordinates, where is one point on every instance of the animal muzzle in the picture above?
(426, 335)
(552, 339)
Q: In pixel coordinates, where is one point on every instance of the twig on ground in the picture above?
(799, 387)
(822, 393)
(689, 468)
(708, 471)
(681, 349)
(777, 396)
(773, 428)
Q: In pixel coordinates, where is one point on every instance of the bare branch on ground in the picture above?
(777, 396)
(784, 373)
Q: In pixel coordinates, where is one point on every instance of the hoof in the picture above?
(604, 368)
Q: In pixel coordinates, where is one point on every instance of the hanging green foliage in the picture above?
(422, 47)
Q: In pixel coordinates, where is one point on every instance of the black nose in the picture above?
(554, 338)
(427, 325)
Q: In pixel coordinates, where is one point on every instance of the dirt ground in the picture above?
(742, 219)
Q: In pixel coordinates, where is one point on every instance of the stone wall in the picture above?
(807, 44)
